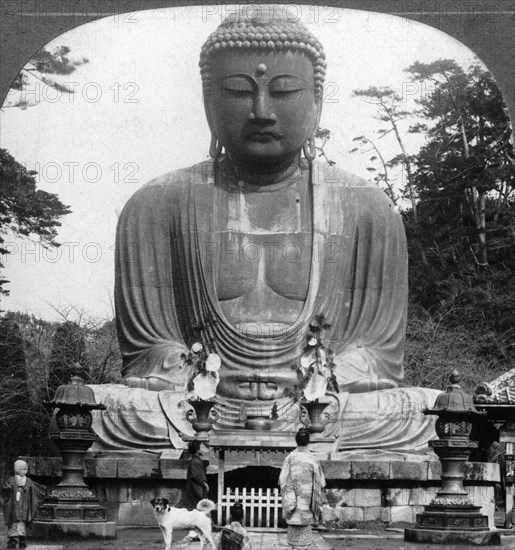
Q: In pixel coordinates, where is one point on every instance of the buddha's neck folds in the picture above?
(264, 175)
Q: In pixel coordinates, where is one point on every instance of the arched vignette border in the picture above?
(487, 27)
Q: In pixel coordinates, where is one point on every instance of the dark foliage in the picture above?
(68, 349)
(24, 210)
(462, 250)
(15, 404)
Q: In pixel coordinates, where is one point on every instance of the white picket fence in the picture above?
(262, 507)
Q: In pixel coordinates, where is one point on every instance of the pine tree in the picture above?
(24, 210)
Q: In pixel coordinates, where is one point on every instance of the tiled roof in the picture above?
(501, 390)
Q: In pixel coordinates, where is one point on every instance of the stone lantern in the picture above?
(71, 508)
(451, 517)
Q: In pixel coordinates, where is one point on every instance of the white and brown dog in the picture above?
(169, 518)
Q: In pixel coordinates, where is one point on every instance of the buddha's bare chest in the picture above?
(264, 244)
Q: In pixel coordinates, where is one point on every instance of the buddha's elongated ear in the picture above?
(309, 148)
(319, 101)
(207, 91)
(215, 147)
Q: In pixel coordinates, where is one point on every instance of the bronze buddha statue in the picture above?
(242, 251)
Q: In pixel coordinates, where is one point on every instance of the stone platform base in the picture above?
(391, 492)
(74, 529)
(434, 536)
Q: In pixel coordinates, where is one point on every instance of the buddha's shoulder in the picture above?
(334, 175)
(177, 181)
(356, 190)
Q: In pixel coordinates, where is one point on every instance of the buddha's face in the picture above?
(261, 106)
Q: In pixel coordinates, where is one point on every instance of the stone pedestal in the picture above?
(474, 538)
(451, 517)
(500, 411)
(72, 509)
(74, 529)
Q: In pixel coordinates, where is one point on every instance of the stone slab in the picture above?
(101, 467)
(409, 496)
(483, 496)
(129, 513)
(133, 468)
(397, 496)
(360, 497)
(408, 470)
(334, 469)
(472, 538)
(242, 439)
(137, 513)
(349, 513)
(377, 513)
(242, 458)
(142, 492)
(115, 491)
(173, 454)
(482, 471)
(370, 470)
(404, 514)
(328, 513)
(434, 470)
(72, 529)
(173, 468)
(421, 496)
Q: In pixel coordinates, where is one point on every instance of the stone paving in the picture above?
(270, 539)
(267, 540)
(151, 539)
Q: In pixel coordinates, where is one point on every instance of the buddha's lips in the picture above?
(263, 134)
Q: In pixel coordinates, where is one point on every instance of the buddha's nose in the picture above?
(262, 110)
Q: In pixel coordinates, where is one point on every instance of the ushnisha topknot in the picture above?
(265, 31)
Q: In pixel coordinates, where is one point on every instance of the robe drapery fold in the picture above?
(165, 278)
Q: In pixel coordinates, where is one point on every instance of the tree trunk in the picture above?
(477, 203)
(409, 175)
(481, 230)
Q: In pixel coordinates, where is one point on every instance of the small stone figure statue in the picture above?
(21, 497)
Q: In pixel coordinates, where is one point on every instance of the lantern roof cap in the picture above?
(454, 400)
(75, 393)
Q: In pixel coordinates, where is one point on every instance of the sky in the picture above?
(137, 113)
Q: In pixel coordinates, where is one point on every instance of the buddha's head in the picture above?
(263, 81)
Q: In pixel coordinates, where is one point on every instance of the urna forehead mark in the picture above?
(261, 69)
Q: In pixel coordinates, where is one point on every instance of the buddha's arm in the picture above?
(148, 328)
(356, 372)
(372, 325)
